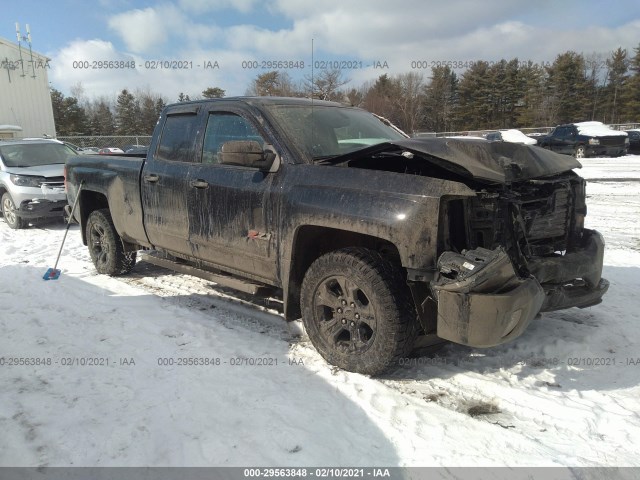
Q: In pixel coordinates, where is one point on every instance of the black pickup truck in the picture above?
(586, 139)
(381, 243)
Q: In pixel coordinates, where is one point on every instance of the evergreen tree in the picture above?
(474, 98)
(618, 66)
(57, 99)
(439, 101)
(568, 89)
(102, 120)
(630, 94)
(273, 84)
(148, 112)
(213, 92)
(531, 106)
(127, 114)
(69, 117)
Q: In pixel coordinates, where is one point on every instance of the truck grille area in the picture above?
(530, 219)
(543, 213)
(614, 141)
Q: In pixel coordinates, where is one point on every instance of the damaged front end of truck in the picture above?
(513, 249)
(525, 251)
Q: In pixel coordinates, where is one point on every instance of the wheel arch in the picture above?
(311, 242)
(88, 203)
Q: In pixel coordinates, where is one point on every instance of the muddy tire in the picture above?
(580, 152)
(357, 310)
(105, 245)
(9, 213)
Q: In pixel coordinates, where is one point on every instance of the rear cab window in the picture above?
(179, 137)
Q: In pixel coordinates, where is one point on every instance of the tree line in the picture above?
(487, 95)
(132, 113)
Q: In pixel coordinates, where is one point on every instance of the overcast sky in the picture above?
(357, 33)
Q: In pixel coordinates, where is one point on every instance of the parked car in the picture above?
(110, 151)
(32, 180)
(380, 246)
(140, 150)
(634, 140)
(89, 150)
(586, 139)
(126, 148)
(511, 135)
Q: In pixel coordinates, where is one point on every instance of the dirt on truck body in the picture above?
(379, 242)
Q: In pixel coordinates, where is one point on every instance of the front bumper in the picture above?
(574, 279)
(605, 150)
(39, 208)
(485, 303)
(482, 302)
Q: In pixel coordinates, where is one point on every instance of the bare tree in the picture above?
(408, 100)
(355, 97)
(326, 84)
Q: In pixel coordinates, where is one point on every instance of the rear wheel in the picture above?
(10, 214)
(105, 245)
(357, 310)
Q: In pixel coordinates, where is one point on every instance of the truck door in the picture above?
(231, 208)
(165, 185)
(558, 138)
(567, 141)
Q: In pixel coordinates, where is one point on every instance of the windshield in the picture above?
(322, 132)
(35, 154)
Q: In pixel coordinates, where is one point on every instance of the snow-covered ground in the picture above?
(566, 393)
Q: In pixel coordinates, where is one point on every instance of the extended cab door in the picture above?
(164, 184)
(565, 143)
(232, 212)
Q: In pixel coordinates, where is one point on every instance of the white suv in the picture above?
(32, 180)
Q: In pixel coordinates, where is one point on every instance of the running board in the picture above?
(217, 277)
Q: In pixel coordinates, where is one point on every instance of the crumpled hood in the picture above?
(500, 162)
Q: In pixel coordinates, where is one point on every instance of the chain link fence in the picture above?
(129, 141)
(117, 141)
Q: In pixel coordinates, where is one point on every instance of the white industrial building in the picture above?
(25, 100)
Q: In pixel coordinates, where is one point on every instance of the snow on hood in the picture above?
(516, 136)
(597, 129)
(499, 162)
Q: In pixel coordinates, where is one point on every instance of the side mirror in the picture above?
(246, 153)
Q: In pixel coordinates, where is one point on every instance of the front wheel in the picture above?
(105, 245)
(9, 212)
(357, 310)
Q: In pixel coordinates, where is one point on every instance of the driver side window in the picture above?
(226, 127)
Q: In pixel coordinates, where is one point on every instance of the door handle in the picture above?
(199, 184)
(153, 178)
